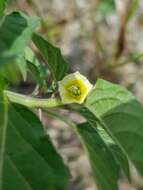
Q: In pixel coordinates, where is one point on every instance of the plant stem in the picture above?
(3, 130)
(31, 101)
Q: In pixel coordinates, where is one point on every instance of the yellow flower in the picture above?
(74, 88)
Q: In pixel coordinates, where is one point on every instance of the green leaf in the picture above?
(96, 149)
(52, 56)
(122, 117)
(121, 159)
(38, 69)
(102, 161)
(3, 4)
(15, 33)
(28, 61)
(119, 156)
(31, 58)
(31, 162)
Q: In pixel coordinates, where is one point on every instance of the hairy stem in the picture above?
(31, 101)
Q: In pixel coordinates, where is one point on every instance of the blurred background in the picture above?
(101, 39)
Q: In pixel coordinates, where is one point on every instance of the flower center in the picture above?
(74, 90)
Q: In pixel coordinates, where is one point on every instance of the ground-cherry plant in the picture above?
(112, 134)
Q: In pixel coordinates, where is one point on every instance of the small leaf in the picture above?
(102, 161)
(57, 65)
(38, 70)
(31, 162)
(15, 33)
(31, 58)
(122, 117)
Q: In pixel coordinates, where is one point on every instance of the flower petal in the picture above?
(68, 86)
